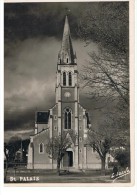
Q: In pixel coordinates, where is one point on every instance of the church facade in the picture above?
(67, 114)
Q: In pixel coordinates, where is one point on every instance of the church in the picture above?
(67, 114)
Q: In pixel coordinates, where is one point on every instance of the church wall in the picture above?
(93, 160)
(55, 121)
(41, 160)
(71, 91)
(67, 68)
(40, 127)
(81, 138)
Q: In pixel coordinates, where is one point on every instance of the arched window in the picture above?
(70, 79)
(67, 60)
(80, 139)
(67, 118)
(41, 148)
(64, 78)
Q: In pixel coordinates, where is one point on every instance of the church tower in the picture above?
(67, 94)
(66, 114)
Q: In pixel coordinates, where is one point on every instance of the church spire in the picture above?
(66, 54)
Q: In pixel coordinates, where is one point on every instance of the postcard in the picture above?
(68, 86)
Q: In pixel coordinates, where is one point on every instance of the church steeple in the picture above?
(66, 54)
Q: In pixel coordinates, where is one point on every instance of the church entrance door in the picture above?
(68, 159)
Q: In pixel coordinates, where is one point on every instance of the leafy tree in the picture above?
(123, 158)
(14, 145)
(6, 153)
(25, 144)
(58, 145)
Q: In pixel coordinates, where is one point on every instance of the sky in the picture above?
(32, 40)
(33, 35)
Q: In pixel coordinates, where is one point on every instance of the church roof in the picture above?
(66, 54)
(42, 117)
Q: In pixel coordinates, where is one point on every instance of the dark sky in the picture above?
(28, 20)
(32, 40)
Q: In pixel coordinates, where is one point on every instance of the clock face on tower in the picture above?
(67, 94)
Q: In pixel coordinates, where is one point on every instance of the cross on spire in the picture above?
(67, 11)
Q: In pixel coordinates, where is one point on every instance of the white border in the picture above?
(60, 190)
(1, 93)
(10, 1)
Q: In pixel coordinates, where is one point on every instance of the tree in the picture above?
(58, 145)
(6, 153)
(107, 75)
(110, 136)
(14, 144)
(123, 158)
(101, 143)
(25, 144)
(107, 24)
(107, 78)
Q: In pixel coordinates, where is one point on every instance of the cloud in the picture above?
(23, 134)
(31, 69)
(30, 78)
(32, 42)
(25, 20)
